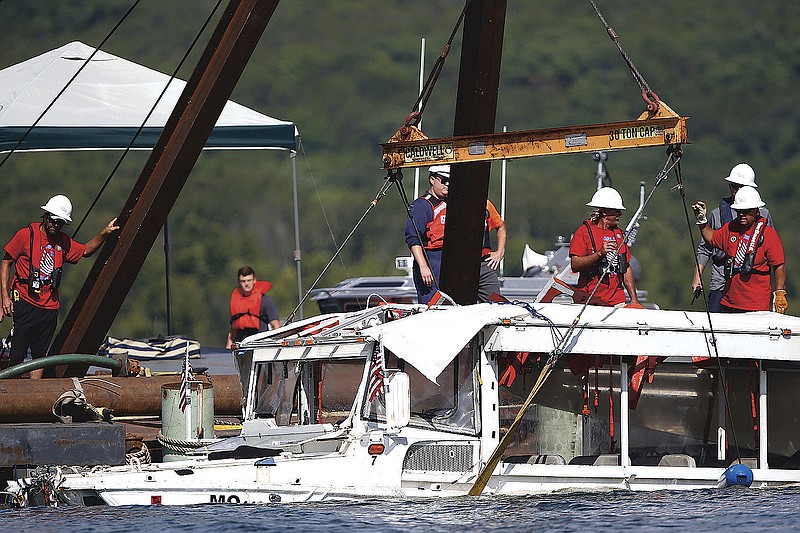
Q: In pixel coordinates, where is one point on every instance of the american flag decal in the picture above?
(186, 387)
(376, 375)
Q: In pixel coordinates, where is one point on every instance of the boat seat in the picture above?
(544, 459)
(677, 459)
(606, 459)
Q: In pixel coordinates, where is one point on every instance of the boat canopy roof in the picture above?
(429, 339)
(104, 105)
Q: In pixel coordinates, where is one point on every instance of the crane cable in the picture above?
(648, 95)
(146, 118)
(713, 340)
(378, 196)
(419, 106)
(88, 60)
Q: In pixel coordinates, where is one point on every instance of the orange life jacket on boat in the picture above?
(245, 310)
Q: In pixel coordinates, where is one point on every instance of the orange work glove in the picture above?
(634, 306)
(780, 305)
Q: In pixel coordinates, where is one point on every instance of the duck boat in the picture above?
(410, 401)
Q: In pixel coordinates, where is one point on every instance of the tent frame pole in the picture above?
(296, 255)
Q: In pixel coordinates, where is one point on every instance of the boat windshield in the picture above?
(449, 406)
(315, 392)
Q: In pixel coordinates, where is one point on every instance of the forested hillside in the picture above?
(347, 73)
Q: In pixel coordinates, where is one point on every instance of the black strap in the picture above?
(237, 316)
(591, 237)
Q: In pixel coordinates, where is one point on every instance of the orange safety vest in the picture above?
(245, 310)
(434, 230)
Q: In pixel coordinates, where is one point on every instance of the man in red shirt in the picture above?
(38, 253)
(753, 251)
(598, 254)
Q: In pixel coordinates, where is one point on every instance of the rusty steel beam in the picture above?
(662, 129)
(162, 178)
(476, 107)
(26, 400)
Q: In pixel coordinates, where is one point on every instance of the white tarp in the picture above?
(107, 102)
(430, 341)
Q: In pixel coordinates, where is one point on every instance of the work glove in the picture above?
(699, 209)
(780, 305)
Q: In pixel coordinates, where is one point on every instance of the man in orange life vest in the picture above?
(251, 309)
(38, 253)
(753, 249)
(598, 255)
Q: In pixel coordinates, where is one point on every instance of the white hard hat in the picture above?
(606, 197)
(441, 170)
(742, 174)
(747, 198)
(59, 207)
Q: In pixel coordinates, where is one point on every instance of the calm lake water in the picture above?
(707, 510)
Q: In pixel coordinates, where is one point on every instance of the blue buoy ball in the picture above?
(739, 474)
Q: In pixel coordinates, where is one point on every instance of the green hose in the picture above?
(60, 359)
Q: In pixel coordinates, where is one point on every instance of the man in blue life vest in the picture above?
(425, 237)
(38, 253)
(425, 232)
(251, 309)
(742, 175)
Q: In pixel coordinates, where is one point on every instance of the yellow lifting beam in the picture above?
(409, 147)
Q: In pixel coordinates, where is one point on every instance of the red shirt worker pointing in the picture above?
(38, 253)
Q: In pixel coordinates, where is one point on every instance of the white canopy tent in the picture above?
(107, 102)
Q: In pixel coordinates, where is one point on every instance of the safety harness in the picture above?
(620, 268)
(34, 280)
(748, 261)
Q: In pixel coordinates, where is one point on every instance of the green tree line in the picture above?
(346, 72)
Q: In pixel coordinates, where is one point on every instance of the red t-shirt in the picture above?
(611, 291)
(47, 256)
(751, 292)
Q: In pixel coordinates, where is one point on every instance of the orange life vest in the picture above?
(245, 310)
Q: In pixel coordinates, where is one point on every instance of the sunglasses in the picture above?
(442, 179)
(744, 211)
(54, 221)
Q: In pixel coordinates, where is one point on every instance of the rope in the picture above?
(140, 456)
(302, 148)
(647, 94)
(141, 127)
(182, 446)
(380, 194)
(39, 118)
